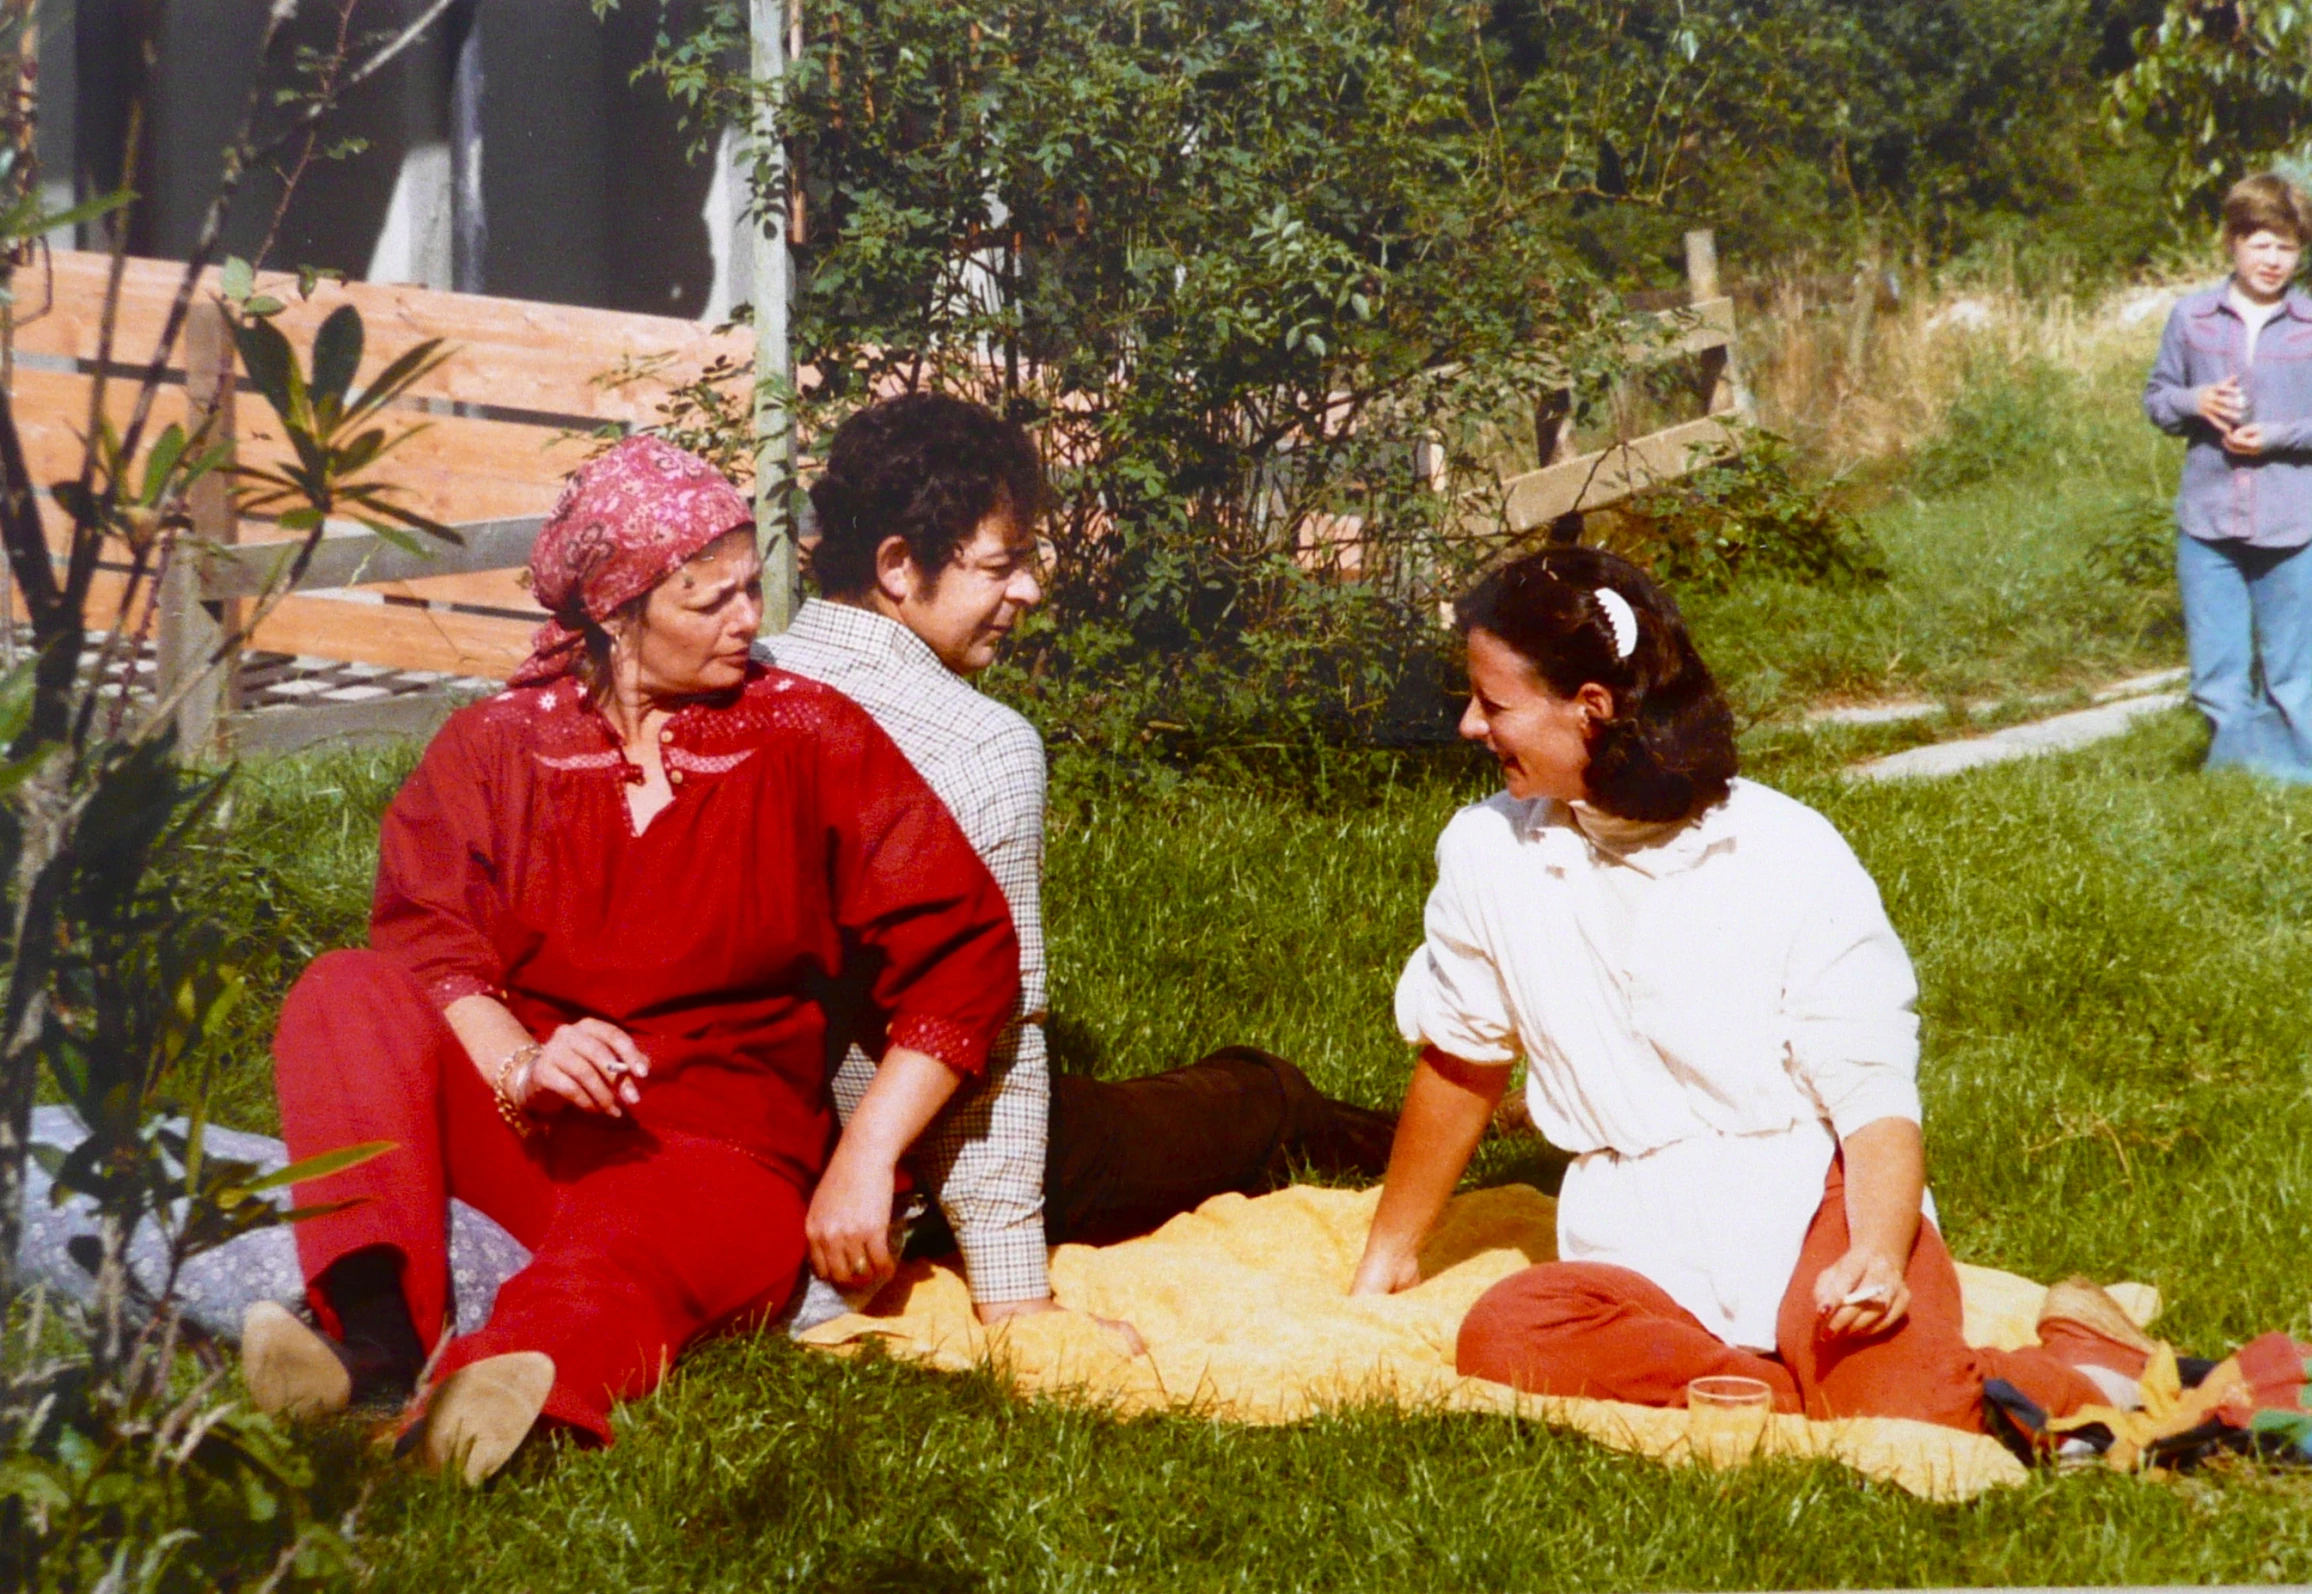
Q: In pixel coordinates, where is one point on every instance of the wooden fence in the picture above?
(1694, 324)
(522, 399)
(1702, 329)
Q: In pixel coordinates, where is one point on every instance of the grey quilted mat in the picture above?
(217, 1286)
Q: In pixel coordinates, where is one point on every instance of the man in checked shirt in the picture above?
(925, 561)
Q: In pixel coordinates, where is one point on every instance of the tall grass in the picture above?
(1863, 377)
(1992, 445)
(288, 865)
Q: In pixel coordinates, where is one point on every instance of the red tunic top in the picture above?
(799, 839)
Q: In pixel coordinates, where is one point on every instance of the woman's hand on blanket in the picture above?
(1861, 1293)
(590, 1065)
(848, 1228)
(1385, 1272)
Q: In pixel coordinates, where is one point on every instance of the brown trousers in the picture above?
(1587, 1328)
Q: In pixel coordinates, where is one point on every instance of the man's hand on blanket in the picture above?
(992, 1312)
(1861, 1293)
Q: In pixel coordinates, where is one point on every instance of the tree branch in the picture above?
(328, 90)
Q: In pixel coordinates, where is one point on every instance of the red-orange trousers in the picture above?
(1589, 1328)
(640, 1245)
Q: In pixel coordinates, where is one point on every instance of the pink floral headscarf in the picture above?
(627, 520)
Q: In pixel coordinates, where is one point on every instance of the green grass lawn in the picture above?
(2113, 950)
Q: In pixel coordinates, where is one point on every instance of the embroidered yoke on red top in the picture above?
(799, 840)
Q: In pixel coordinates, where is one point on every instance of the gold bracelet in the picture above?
(508, 1109)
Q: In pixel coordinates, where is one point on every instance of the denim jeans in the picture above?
(2248, 625)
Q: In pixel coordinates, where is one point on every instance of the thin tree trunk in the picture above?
(42, 805)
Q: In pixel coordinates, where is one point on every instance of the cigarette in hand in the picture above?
(1877, 1294)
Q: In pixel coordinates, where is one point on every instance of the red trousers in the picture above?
(640, 1245)
(1589, 1328)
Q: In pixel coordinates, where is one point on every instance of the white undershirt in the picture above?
(2257, 316)
(1619, 837)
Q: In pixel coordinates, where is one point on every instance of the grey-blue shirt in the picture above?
(2264, 500)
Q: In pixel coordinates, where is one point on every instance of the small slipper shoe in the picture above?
(290, 1368)
(482, 1412)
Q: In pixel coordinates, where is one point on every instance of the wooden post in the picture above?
(469, 215)
(1860, 316)
(191, 631)
(1701, 265)
(772, 276)
(1721, 375)
(1552, 428)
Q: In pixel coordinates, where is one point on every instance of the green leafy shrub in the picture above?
(1755, 513)
(2140, 547)
(2006, 417)
(128, 1460)
(2224, 90)
(147, 1483)
(120, 1466)
(1796, 126)
(1260, 275)
(125, 1462)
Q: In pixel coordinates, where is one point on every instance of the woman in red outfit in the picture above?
(607, 904)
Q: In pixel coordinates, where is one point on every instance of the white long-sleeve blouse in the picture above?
(1698, 1018)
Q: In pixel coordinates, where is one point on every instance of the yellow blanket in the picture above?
(1244, 1308)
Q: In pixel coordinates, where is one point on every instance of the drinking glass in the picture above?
(1726, 1418)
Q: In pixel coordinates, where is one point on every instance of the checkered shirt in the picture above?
(984, 1156)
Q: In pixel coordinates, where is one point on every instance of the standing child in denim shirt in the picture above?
(2234, 378)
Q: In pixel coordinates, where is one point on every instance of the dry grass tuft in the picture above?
(1857, 377)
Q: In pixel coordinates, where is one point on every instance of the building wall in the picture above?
(587, 191)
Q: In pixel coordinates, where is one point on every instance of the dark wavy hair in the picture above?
(1668, 751)
(927, 468)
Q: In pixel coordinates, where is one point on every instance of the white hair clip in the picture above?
(1622, 618)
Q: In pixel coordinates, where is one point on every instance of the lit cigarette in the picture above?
(1878, 1294)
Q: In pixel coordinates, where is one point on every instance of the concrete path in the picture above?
(2117, 707)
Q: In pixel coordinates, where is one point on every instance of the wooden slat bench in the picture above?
(527, 393)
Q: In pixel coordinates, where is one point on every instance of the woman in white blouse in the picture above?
(1715, 1018)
